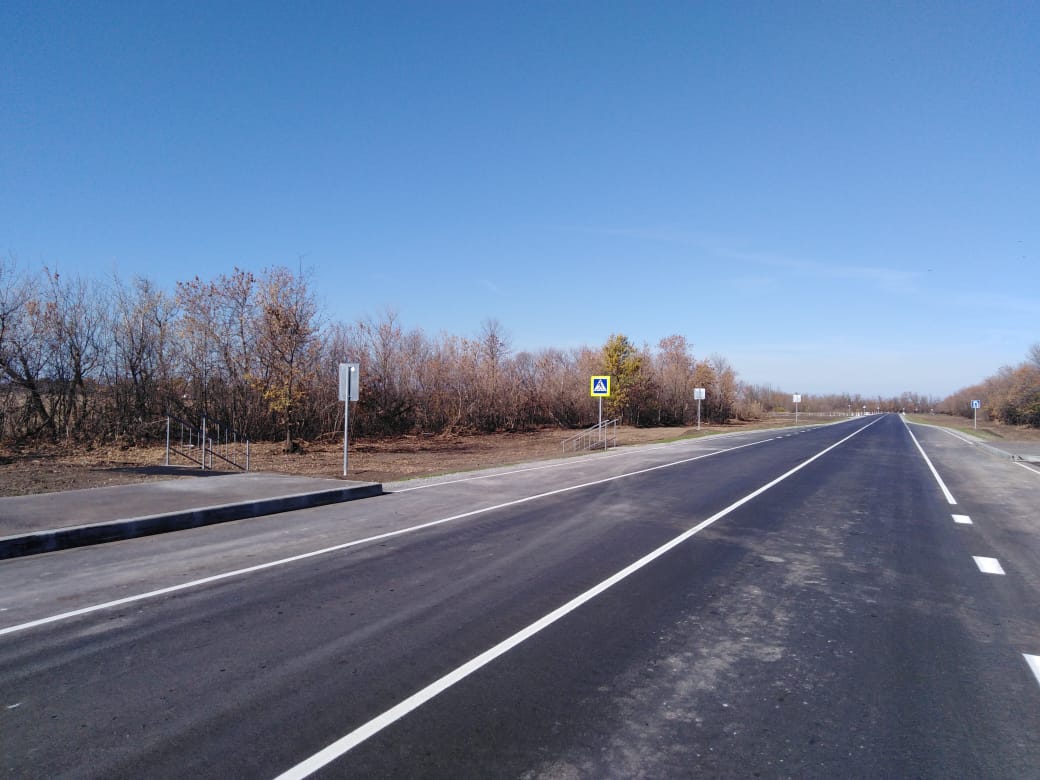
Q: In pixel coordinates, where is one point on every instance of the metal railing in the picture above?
(601, 436)
(204, 444)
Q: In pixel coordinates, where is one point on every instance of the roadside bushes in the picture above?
(1011, 396)
(90, 360)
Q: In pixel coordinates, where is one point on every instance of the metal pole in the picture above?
(601, 422)
(346, 416)
(698, 414)
(975, 415)
(167, 440)
(202, 441)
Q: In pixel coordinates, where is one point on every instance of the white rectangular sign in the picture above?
(698, 394)
(349, 381)
(797, 398)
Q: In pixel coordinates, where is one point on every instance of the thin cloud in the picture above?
(889, 279)
(490, 286)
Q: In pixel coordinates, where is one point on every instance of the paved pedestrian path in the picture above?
(53, 521)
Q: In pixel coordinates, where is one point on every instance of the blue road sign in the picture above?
(599, 387)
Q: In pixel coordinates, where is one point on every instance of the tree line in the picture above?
(1011, 396)
(105, 360)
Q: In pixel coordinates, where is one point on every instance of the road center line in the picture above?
(348, 742)
(962, 519)
(945, 490)
(347, 545)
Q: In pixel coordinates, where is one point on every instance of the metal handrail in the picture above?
(599, 436)
(198, 439)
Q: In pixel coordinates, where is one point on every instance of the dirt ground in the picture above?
(51, 468)
(47, 469)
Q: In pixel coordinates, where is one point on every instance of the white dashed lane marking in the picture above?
(1034, 664)
(988, 565)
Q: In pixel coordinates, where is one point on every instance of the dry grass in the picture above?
(988, 430)
(52, 468)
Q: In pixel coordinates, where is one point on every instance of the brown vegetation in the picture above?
(1011, 396)
(50, 467)
(82, 361)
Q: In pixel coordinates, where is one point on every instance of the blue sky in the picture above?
(835, 196)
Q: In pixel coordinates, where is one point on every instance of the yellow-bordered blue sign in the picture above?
(599, 387)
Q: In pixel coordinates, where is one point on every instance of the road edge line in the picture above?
(946, 491)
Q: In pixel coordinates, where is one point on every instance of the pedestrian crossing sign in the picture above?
(600, 387)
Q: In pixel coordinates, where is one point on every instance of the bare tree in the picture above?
(140, 373)
(1034, 354)
(675, 366)
(77, 326)
(492, 350)
(14, 295)
(287, 344)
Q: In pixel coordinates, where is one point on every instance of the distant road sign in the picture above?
(698, 394)
(797, 398)
(599, 387)
(976, 404)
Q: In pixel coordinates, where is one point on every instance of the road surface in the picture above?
(858, 599)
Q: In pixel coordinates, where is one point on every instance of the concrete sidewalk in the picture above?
(56, 521)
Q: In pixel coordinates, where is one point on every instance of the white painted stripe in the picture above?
(346, 545)
(1026, 467)
(490, 476)
(988, 565)
(949, 496)
(1034, 664)
(954, 434)
(348, 742)
(583, 461)
(962, 519)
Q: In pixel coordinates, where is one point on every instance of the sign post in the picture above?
(349, 383)
(599, 387)
(975, 413)
(698, 396)
(797, 398)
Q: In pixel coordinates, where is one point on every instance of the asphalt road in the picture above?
(808, 604)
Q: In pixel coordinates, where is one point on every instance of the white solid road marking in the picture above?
(346, 545)
(945, 490)
(962, 519)
(988, 565)
(966, 440)
(348, 742)
(1034, 664)
(636, 450)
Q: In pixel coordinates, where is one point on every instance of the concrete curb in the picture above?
(131, 528)
(976, 442)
